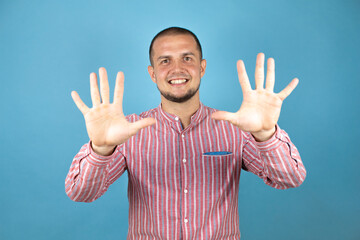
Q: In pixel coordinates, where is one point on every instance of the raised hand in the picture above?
(260, 109)
(105, 122)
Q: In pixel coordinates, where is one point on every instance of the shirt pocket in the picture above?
(218, 165)
(219, 170)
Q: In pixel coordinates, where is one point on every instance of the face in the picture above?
(177, 68)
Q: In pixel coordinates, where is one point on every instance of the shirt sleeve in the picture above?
(90, 174)
(277, 161)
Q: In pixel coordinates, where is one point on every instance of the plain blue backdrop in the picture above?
(49, 48)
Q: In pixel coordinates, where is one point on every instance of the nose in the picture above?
(178, 66)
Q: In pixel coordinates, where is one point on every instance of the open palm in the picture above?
(260, 109)
(105, 122)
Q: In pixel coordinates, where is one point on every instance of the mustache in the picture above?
(178, 75)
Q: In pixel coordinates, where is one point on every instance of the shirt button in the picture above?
(186, 220)
(177, 119)
(182, 135)
(184, 160)
(185, 191)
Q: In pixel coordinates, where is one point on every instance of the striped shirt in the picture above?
(183, 183)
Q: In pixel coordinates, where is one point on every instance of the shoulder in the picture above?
(208, 110)
(224, 124)
(149, 113)
(135, 117)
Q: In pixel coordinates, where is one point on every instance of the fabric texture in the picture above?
(184, 183)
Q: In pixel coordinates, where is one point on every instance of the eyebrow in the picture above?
(189, 53)
(168, 56)
(161, 57)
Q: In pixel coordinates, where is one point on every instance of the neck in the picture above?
(183, 110)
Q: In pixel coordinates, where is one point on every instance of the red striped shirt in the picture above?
(183, 183)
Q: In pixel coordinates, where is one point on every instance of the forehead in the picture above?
(175, 44)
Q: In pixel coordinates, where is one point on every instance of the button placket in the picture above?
(185, 194)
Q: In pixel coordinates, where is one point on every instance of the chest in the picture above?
(168, 154)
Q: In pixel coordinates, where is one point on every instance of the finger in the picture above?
(104, 86)
(119, 89)
(243, 77)
(143, 123)
(288, 89)
(259, 71)
(222, 115)
(94, 90)
(270, 75)
(79, 103)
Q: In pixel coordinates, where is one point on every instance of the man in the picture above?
(183, 159)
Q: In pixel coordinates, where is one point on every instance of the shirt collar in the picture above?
(172, 118)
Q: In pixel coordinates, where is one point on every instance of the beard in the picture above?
(189, 94)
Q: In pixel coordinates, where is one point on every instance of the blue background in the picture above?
(49, 48)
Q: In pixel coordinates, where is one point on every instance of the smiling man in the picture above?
(177, 68)
(183, 159)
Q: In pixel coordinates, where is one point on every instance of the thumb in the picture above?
(143, 123)
(222, 115)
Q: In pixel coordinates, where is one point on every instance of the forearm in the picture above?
(277, 161)
(90, 174)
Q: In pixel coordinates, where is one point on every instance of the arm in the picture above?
(268, 151)
(95, 167)
(91, 174)
(276, 161)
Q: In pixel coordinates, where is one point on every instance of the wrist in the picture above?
(102, 150)
(264, 135)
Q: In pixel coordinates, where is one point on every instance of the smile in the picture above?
(178, 81)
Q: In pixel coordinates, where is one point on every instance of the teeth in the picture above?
(178, 81)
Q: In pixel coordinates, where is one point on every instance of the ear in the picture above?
(202, 67)
(152, 73)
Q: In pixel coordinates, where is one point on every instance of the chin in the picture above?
(179, 99)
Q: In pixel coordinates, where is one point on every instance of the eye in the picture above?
(187, 59)
(164, 61)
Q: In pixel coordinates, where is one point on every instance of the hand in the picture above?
(260, 109)
(105, 122)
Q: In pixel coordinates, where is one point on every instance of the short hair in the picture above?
(174, 31)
